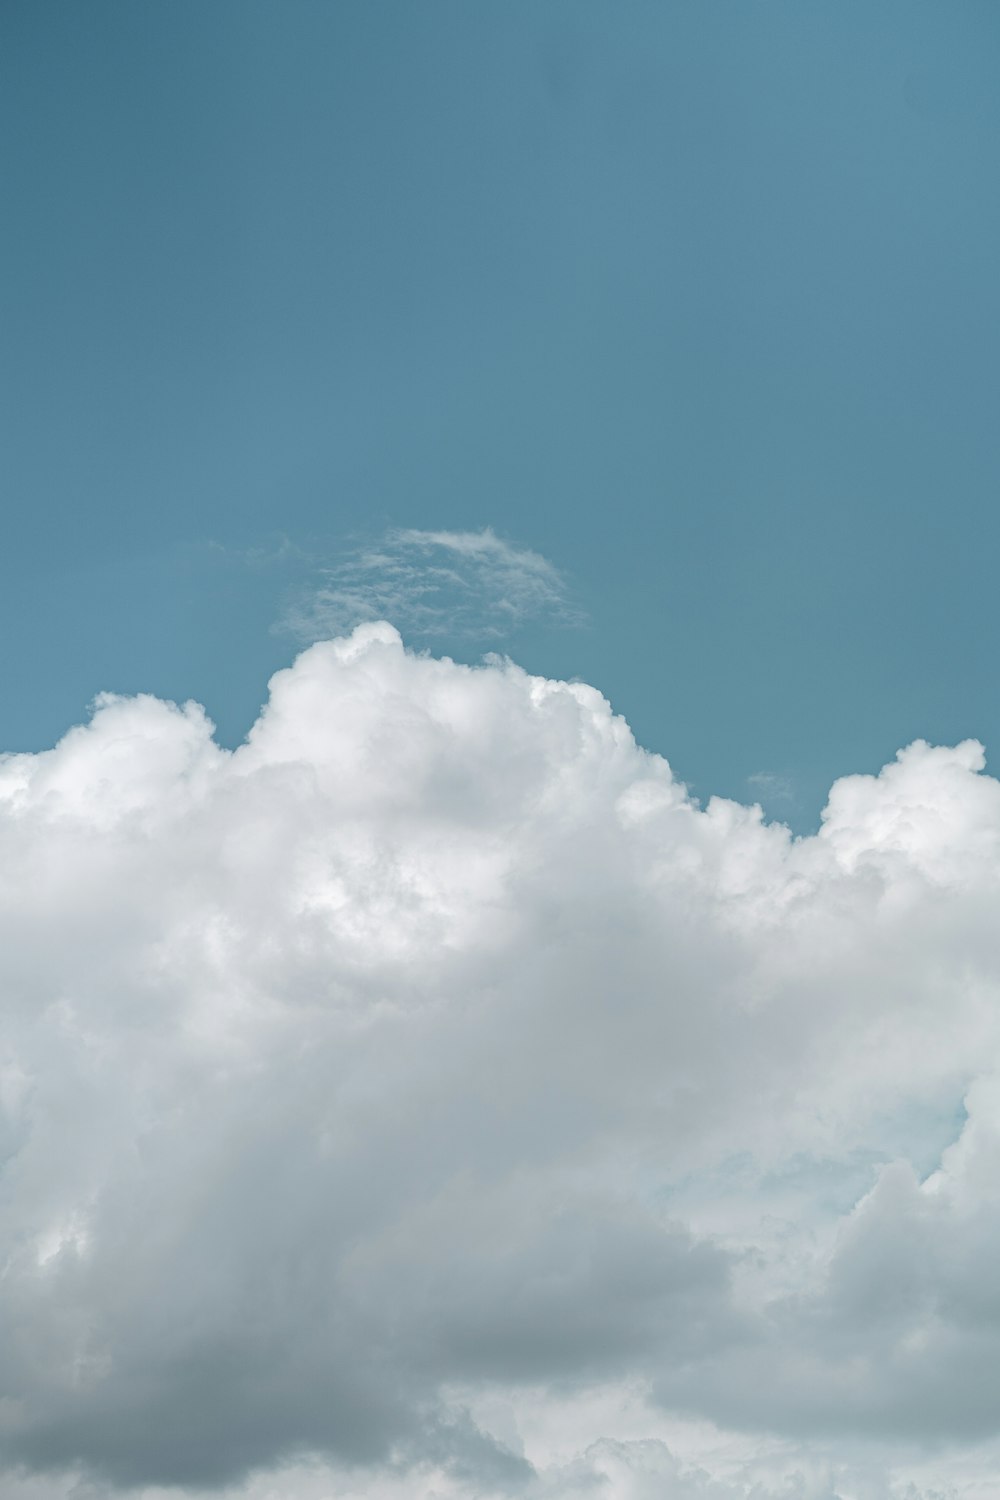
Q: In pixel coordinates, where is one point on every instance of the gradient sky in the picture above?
(698, 301)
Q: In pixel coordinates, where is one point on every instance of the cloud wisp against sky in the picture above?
(430, 1095)
(463, 584)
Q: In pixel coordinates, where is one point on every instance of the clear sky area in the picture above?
(698, 302)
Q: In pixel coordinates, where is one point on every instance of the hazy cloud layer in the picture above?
(464, 584)
(431, 1090)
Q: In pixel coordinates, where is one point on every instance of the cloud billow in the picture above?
(431, 1067)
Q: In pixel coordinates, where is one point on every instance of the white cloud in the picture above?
(464, 584)
(430, 1089)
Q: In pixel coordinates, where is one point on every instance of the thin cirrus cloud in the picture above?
(465, 584)
(773, 786)
(429, 1097)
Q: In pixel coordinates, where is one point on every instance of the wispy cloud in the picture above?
(434, 583)
(772, 786)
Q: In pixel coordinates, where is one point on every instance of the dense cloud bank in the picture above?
(429, 1082)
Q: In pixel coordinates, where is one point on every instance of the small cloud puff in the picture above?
(430, 1093)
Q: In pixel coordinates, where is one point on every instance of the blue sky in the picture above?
(413, 1093)
(698, 301)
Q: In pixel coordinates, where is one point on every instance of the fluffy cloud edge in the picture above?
(462, 819)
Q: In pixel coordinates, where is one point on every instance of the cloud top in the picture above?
(430, 1083)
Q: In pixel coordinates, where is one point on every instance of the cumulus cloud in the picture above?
(464, 584)
(430, 1093)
